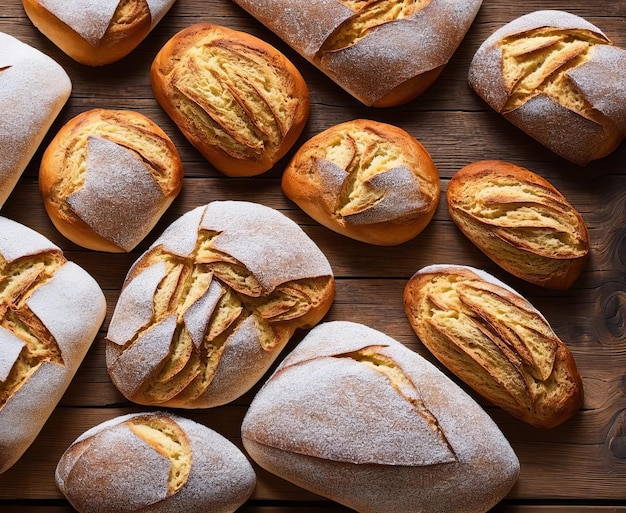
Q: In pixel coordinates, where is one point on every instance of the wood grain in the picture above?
(579, 467)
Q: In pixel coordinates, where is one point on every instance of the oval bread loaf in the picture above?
(559, 79)
(107, 177)
(96, 32)
(236, 98)
(209, 306)
(33, 90)
(495, 341)
(520, 221)
(154, 462)
(50, 312)
(353, 415)
(382, 52)
(367, 180)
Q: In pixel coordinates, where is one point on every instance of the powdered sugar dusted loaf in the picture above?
(357, 417)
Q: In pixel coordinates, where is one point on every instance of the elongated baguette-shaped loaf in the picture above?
(520, 221)
(559, 79)
(50, 312)
(208, 307)
(96, 32)
(355, 416)
(383, 52)
(236, 98)
(495, 341)
(367, 180)
(33, 90)
(154, 462)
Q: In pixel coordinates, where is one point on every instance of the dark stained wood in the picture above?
(579, 467)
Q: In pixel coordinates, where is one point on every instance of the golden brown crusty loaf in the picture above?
(520, 221)
(236, 98)
(33, 90)
(367, 180)
(107, 177)
(154, 462)
(495, 341)
(50, 312)
(559, 79)
(96, 32)
(209, 306)
(353, 415)
(383, 52)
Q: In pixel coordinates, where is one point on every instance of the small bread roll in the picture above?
(96, 32)
(559, 79)
(33, 90)
(520, 221)
(367, 180)
(154, 463)
(237, 99)
(353, 415)
(107, 177)
(384, 53)
(208, 307)
(51, 311)
(495, 341)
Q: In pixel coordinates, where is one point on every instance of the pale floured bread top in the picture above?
(33, 90)
(17, 241)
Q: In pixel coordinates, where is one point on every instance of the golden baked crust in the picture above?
(367, 180)
(237, 99)
(559, 79)
(107, 177)
(520, 221)
(495, 341)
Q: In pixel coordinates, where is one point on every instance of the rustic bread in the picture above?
(384, 53)
(96, 32)
(559, 79)
(33, 90)
(520, 221)
(209, 306)
(236, 98)
(353, 415)
(154, 462)
(50, 312)
(495, 341)
(367, 180)
(107, 177)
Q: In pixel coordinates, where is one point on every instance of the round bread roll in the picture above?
(353, 415)
(96, 32)
(559, 79)
(367, 180)
(107, 177)
(208, 307)
(33, 90)
(495, 341)
(520, 221)
(154, 462)
(50, 313)
(237, 99)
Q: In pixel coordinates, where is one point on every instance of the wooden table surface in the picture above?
(579, 466)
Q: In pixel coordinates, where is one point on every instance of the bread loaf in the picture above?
(96, 32)
(520, 221)
(236, 98)
(353, 415)
(33, 90)
(209, 306)
(559, 79)
(50, 312)
(107, 177)
(495, 341)
(154, 462)
(367, 180)
(382, 52)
